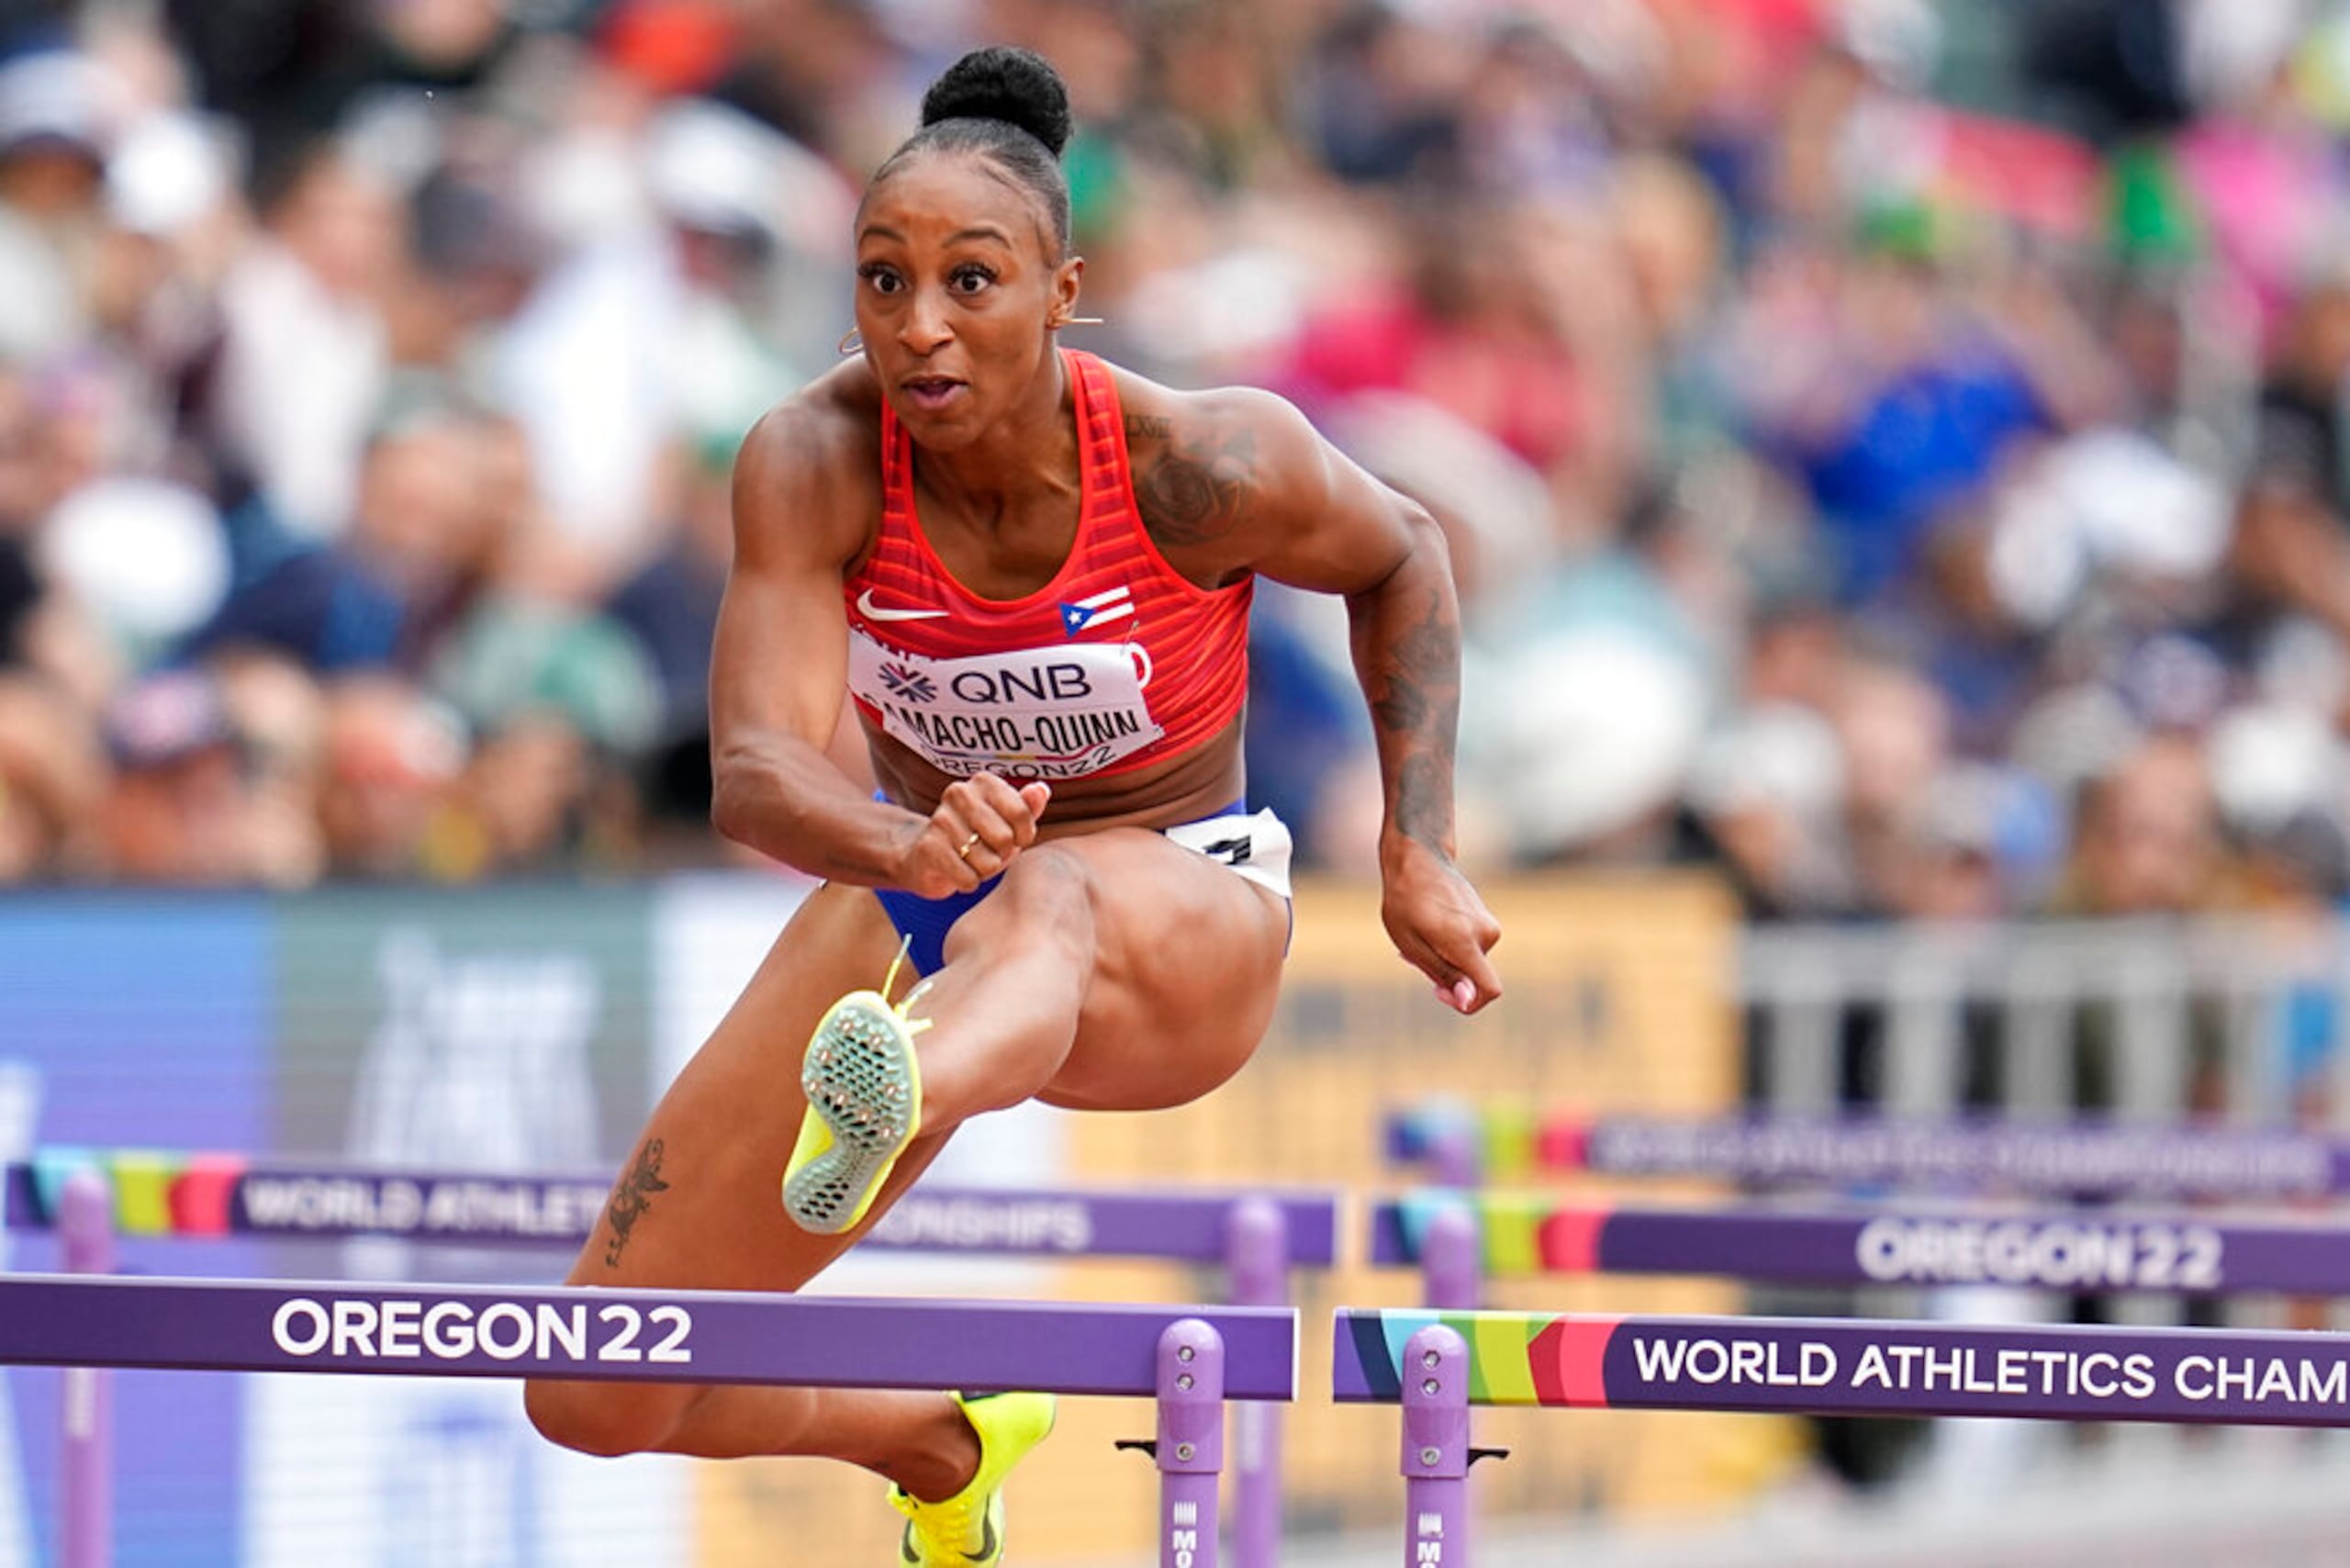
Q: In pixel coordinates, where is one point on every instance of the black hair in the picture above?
(1006, 104)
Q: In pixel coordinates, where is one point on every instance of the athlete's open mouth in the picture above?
(930, 393)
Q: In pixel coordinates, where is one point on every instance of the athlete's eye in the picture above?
(881, 278)
(971, 279)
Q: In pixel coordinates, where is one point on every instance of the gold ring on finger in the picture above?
(968, 845)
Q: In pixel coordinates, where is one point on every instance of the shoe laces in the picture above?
(889, 982)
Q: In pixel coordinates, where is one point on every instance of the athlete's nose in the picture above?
(925, 328)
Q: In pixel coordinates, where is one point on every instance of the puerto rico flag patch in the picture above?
(1097, 610)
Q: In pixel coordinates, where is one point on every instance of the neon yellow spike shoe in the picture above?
(863, 1089)
(967, 1529)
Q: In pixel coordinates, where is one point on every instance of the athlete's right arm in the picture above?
(779, 660)
(779, 666)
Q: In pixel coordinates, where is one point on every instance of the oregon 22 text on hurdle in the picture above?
(397, 1327)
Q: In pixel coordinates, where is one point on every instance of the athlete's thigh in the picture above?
(1187, 968)
(697, 1205)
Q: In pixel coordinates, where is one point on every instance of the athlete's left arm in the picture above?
(1314, 519)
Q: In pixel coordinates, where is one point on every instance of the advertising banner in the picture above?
(145, 1020)
(498, 1029)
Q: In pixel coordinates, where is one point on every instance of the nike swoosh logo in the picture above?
(872, 611)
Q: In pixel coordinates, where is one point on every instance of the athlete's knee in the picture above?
(1051, 890)
(604, 1420)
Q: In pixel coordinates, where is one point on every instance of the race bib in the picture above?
(1058, 712)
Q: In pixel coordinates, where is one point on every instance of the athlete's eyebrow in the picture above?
(977, 231)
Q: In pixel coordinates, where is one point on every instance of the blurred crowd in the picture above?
(1893, 451)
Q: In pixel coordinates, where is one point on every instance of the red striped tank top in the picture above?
(1118, 661)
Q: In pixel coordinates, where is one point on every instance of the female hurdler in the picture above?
(1031, 573)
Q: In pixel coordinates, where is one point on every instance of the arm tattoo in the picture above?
(632, 1197)
(1422, 682)
(1423, 800)
(1415, 690)
(1194, 490)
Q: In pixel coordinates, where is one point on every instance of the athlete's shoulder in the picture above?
(1155, 412)
(833, 419)
(811, 465)
(1208, 465)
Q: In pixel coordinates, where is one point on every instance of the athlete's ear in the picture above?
(1068, 279)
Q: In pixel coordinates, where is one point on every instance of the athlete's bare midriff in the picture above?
(1186, 788)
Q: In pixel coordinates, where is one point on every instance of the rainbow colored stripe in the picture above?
(156, 1193)
(1508, 1139)
(1517, 1232)
(1514, 1358)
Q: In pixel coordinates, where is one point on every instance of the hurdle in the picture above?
(2095, 1157)
(1258, 1236)
(1516, 1234)
(1437, 1366)
(1189, 1359)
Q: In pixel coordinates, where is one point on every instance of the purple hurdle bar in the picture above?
(1190, 1361)
(2096, 1250)
(1257, 1236)
(1467, 1147)
(1844, 1366)
(199, 1195)
(620, 1336)
(86, 1521)
(1808, 1366)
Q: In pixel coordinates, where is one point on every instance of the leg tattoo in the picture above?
(631, 1197)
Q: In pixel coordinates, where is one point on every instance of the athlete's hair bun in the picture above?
(1013, 84)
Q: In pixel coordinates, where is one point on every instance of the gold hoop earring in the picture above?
(852, 342)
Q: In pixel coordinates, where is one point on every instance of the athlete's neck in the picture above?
(1032, 451)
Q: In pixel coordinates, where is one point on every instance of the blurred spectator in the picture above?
(391, 757)
(657, 325)
(671, 602)
(1892, 727)
(1766, 794)
(379, 595)
(2289, 543)
(303, 359)
(1890, 452)
(279, 715)
(55, 135)
(177, 813)
(2146, 839)
(54, 779)
(534, 794)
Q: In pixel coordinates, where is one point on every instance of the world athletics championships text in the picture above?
(2053, 1159)
(2011, 1371)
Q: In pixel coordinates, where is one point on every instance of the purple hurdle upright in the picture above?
(1257, 1259)
(1452, 1271)
(86, 1521)
(1453, 1276)
(1190, 1449)
(1436, 1448)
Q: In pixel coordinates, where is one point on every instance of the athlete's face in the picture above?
(959, 282)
